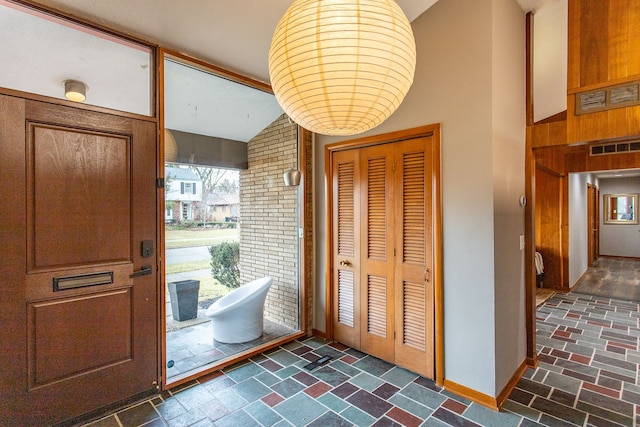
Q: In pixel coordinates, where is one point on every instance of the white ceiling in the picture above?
(233, 34)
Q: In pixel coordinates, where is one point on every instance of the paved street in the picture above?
(180, 255)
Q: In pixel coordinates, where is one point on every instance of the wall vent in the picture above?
(613, 148)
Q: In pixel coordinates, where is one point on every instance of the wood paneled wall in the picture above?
(604, 41)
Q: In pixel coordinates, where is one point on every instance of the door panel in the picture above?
(413, 265)
(82, 331)
(346, 249)
(80, 178)
(376, 268)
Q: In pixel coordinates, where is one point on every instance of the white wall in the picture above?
(455, 85)
(619, 239)
(578, 225)
(550, 52)
(508, 183)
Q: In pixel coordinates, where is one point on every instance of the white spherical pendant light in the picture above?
(342, 67)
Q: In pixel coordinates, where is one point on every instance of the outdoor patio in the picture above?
(190, 344)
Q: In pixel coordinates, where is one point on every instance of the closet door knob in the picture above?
(345, 263)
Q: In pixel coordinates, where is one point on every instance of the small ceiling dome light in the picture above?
(75, 90)
(342, 67)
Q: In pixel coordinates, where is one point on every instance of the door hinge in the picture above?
(427, 274)
(160, 183)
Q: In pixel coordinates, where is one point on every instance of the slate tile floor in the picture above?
(193, 347)
(587, 376)
(612, 277)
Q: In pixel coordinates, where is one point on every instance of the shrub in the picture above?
(224, 263)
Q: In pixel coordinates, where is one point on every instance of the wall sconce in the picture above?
(292, 178)
(75, 90)
(293, 175)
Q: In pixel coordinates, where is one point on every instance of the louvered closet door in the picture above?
(413, 261)
(346, 248)
(376, 258)
(382, 252)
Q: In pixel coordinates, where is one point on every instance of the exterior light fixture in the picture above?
(342, 67)
(292, 176)
(75, 90)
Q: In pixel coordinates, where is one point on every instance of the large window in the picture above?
(227, 146)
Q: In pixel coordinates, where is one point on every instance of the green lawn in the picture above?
(209, 288)
(204, 237)
(188, 266)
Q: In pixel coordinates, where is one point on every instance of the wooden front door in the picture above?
(382, 252)
(79, 304)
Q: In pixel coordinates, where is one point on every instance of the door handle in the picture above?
(144, 271)
(345, 263)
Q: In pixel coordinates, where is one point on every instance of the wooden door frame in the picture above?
(432, 130)
(593, 219)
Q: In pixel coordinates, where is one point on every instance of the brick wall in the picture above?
(269, 243)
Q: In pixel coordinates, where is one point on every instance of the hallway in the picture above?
(587, 375)
(612, 277)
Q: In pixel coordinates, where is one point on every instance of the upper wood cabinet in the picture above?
(604, 46)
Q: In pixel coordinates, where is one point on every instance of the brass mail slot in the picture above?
(82, 280)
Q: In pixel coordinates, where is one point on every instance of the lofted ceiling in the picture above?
(232, 34)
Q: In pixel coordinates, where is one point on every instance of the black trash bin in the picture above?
(184, 299)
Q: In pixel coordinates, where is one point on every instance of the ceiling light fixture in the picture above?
(75, 90)
(342, 67)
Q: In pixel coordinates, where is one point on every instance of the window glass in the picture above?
(40, 51)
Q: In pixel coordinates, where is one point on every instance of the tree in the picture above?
(211, 177)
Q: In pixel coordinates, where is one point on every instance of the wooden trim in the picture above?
(162, 267)
(529, 247)
(66, 103)
(549, 171)
(328, 185)
(559, 117)
(304, 263)
(532, 362)
(83, 21)
(471, 394)
(319, 334)
(613, 82)
(219, 71)
(402, 135)
(529, 68)
(438, 281)
(417, 132)
(240, 356)
(511, 384)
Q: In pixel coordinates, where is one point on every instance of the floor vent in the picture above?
(613, 148)
(311, 366)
